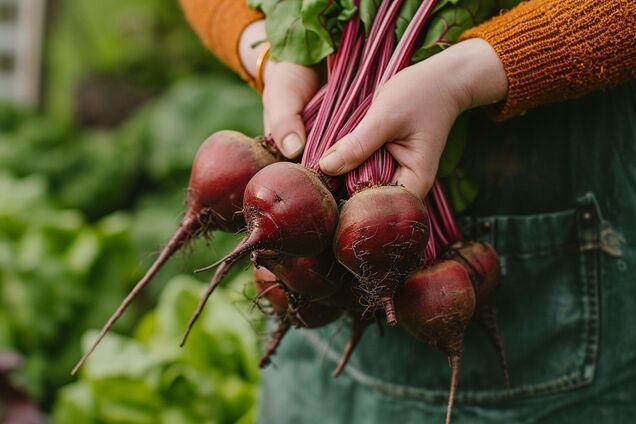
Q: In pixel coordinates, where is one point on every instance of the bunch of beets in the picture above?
(383, 252)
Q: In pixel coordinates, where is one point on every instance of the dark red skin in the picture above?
(288, 209)
(380, 238)
(222, 167)
(268, 287)
(304, 314)
(436, 305)
(313, 278)
(482, 263)
(345, 298)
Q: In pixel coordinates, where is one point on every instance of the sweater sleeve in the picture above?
(556, 50)
(219, 24)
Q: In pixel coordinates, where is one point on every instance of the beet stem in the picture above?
(183, 234)
(280, 332)
(357, 330)
(455, 362)
(245, 246)
(487, 319)
(389, 310)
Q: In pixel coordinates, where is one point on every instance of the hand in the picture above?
(288, 88)
(413, 112)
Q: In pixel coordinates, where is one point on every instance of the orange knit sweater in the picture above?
(552, 50)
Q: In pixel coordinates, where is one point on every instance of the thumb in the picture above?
(353, 149)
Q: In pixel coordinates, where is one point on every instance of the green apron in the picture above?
(558, 200)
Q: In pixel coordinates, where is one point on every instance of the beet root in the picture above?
(381, 235)
(222, 167)
(436, 305)
(359, 324)
(287, 209)
(482, 263)
(311, 277)
(290, 312)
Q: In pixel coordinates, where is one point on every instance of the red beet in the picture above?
(482, 263)
(222, 167)
(268, 287)
(312, 277)
(435, 305)
(287, 209)
(382, 233)
(289, 312)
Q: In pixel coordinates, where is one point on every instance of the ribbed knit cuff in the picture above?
(219, 24)
(556, 50)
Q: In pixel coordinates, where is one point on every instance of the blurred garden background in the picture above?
(102, 107)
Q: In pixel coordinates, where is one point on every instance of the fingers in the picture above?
(418, 158)
(352, 150)
(286, 93)
(414, 181)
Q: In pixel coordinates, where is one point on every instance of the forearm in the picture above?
(556, 50)
(220, 24)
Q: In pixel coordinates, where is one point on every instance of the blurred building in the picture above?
(21, 36)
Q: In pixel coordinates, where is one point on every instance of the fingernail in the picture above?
(332, 163)
(292, 145)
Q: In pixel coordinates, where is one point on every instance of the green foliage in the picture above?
(48, 257)
(99, 172)
(68, 254)
(83, 213)
(304, 31)
(147, 378)
(145, 43)
(451, 18)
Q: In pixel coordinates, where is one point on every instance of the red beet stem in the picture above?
(216, 280)
(180, 237)
(455, 363)
(389, 310)
(280, 331)
(358, 327)
(486, 317)
(247, 245)
(448, 219)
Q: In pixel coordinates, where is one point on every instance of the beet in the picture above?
(382, 233)
(222, 167)
(288, 210)
(482, 263)
(289, 310)
(436, 305)
(313, 278)
(269, 287)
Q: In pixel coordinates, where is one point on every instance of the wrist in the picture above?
(251, 47)
(477, 76)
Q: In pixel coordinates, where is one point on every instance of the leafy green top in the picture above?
(306, 31)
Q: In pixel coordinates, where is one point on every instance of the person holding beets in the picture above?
(554, 157)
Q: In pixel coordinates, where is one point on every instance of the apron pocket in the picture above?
(548, 314)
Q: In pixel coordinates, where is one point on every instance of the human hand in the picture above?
(288, 87)
(413, 112)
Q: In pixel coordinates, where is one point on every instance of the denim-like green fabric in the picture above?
(558, 200)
